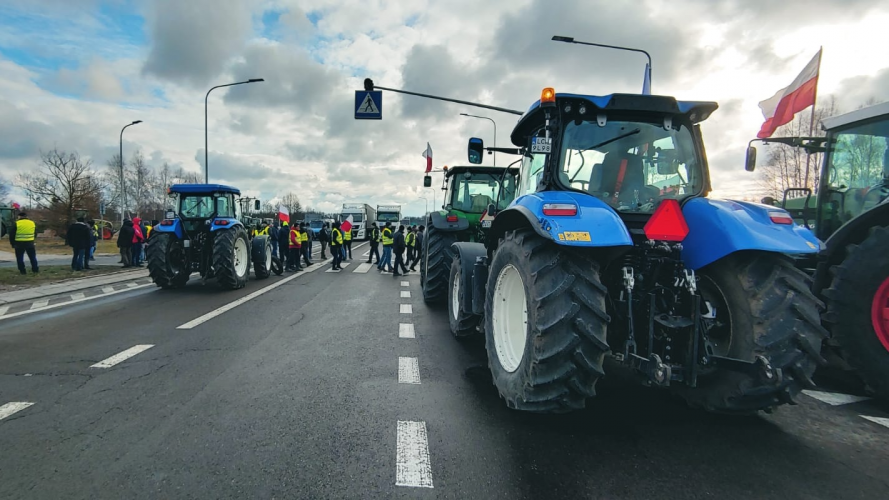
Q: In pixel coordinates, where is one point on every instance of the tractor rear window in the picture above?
(196, 207)
(632, 166)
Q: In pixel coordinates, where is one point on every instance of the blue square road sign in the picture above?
(369, 105)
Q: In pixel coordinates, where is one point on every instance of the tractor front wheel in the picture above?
(167, 262)
(231, 258)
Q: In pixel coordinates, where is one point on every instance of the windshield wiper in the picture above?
(609, 141)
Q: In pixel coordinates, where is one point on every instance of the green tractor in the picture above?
(7, 219)
(469, 191)
(850, 214)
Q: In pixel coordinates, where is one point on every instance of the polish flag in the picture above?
(347, 224)
(781, 107)
(283, 214)
(428, 155)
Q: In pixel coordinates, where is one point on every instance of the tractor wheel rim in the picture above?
(880, 313)
(240, 257)
(268, 258)
(455, 297)
(510, 318)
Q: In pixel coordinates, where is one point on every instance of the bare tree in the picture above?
(294, 207)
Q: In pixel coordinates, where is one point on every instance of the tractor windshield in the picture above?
(630, 165)
(473, 192)
(205, 206)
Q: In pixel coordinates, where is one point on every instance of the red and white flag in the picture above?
(781, 107)
(428, 155)
(283, 214)
(347, 224)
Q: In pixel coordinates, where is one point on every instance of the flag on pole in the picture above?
(347, 224)
(283, 214)
(428, 155)
(646, 81)
(781, 107)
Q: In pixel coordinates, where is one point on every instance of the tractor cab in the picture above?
(470, 190)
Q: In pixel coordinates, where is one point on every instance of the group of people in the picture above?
(132, 240)
(403, 240)
(82, 237)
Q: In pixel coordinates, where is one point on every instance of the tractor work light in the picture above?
(667, 223)
(780, 217)
(548, 96)
(567, 108)
(559, 209)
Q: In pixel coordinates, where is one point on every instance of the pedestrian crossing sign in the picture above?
(368, 105)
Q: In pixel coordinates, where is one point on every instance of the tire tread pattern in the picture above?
(224, 259)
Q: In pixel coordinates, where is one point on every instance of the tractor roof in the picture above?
(631, 104)
(855, 116)
(478, 170)
(203, 189)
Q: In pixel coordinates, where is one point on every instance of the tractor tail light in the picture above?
(166, 222)
(780, 217)
(667, 223)
(559, 209)
(452, 218)
(220, 222)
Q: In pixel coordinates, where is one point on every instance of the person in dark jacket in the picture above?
(78, 238)
(125, 243)
(418, 247)
(374, 242)
(273, 238)
(284, 243)
(398, 247)
(324, 238)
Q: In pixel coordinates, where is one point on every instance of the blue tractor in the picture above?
(205, 234)
(611, 255)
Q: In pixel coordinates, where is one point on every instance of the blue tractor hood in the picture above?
(627, 105)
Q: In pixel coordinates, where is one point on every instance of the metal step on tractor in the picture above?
(611, 251)
(205, 234)
(464, 217)
(850, 213)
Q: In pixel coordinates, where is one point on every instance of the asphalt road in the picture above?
(299, 392)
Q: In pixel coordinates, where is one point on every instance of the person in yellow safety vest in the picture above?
(294, 246)
(347, 245)
(94, 238)
(21, 237)
(386, 236)
(336, 246)
(261, 231)
(410, 239)
(305, 247)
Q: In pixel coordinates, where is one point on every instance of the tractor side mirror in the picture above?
(492, 210)
(476, 150)
(257, 205)
(750, 161)
(427, 181)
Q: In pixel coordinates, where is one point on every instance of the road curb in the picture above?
(69, 286)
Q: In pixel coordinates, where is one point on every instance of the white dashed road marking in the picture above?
(231, 305)
(39, 304)
(122, 356)
(14, 407)
(835, 398)
(343, 265)
(107, 289)
(877, 420)
(412, 465)
(405, 294)
(363, 268)
(77, 297)
(405, 330)
(3, 310)
(408, 371)
(405, 309)
(405, 283)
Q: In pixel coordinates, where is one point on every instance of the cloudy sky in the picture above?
(73, 72)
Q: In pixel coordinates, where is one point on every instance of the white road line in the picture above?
(412, 465)
(107, 289)
(834, 398)
(408, 371)
(39, 304)
(78, 295)
(405, 309)
(131, 285)
(74, 301)
(405, 283)
(363, 268)
(231, 305)
(122, 356)
(342, 266)
(14, 407)
(405, 294)
(3, 310)
(877, 420)
(405, 330)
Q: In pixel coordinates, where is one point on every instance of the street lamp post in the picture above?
(495, 131)
(206, 97)
(570, 39)
(123, 185)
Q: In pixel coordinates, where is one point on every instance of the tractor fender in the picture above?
(853, 232)
(175, 228)
(467, 252)
(717, 228)
(439, 220)
(594, 225)
(232, 222)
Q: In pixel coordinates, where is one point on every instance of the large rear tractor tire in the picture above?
(545, 324)
(437, 257)
(858, 309)
(167, 263)
(231, 258)
(462, 324)
(261, 255)
(759, 306)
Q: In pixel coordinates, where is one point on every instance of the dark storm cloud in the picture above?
(193, 40)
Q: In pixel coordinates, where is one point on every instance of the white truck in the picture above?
(388, 213)
(362, 215)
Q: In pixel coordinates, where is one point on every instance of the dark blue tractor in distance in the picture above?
(204, 234)
(611, 255)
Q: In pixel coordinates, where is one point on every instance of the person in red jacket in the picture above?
(138, 239)
(295, 247)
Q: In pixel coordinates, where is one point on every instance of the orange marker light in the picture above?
(548, 95)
